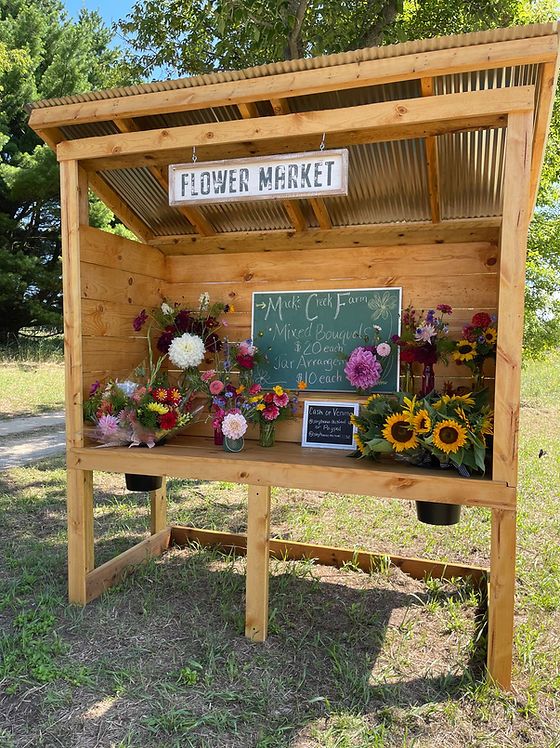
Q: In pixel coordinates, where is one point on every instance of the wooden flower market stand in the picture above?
(446, 141)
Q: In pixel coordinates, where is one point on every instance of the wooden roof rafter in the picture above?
(193, 215)
(53, 137)
(368, 123)
(292, 208)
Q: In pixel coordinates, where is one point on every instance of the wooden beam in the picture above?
(112, 571)
(258, 532)
(427, 86)
(291, 467)
(113, 201)
(418, 568)
(511, 295)
(280, 107)
(394, 120)
(456, 230)
(305, 82)
(292, 208)
(501, 597)
(74, 212)
(104, 192)
(158, 509)
(193, 215)
(543, 116)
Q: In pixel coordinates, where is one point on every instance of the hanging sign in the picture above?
(327, 425)
(293, 175)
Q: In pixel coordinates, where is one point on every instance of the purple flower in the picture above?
(444, 308)
(94, 387)
(108, 425)
(362, 369)
(140, 320)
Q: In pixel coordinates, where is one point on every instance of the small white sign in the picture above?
(293, 175)
(326, 424)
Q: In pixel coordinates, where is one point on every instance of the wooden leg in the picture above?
(501, 596)
(80, 533)
(158, 509)
(258, 532)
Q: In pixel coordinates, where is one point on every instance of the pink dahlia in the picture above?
(206, 376)
(216, 387)
(254, 389)
(271, 413)
(362, 369)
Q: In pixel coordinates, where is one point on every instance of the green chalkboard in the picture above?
(306, 334)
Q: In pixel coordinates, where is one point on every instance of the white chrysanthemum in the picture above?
(166, 309)
(187, 351)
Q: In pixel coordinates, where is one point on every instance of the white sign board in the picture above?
(293, 175)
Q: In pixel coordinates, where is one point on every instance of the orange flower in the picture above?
(301, 385)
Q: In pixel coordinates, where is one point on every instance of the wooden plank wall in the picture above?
(119, 278)
(462, 275)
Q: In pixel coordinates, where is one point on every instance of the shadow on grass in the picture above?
(164, 651)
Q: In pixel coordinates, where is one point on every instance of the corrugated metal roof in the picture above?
(311, 63)
(388, 182)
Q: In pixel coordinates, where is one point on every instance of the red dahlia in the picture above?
(168, 421)
(482, 319)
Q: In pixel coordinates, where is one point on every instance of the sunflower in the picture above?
(487, 425)
(465, 399)
(399, 432)
(359, 443)
(370, 399)
(449, 436)
(490, 335)
(422, 422)
(354, 421)
(464, 351)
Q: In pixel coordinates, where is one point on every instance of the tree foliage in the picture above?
(42, 55)
(188, 37)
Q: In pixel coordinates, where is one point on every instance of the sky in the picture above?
(111, 10)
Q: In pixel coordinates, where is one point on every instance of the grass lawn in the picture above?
(353, 660)
(28, 388)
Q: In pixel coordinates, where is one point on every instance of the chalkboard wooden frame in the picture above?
(390, 321)
(354, 406)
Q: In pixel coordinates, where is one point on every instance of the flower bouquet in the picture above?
(135, 414)
(186, 334)
(449, 431)
(477, 345)
(423, 339)
(267, 408)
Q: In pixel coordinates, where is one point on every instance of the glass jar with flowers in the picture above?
(424, 340)
(268, 408)
(477, 345)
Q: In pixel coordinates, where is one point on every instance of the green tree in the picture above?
(188, 37)
(43, 54)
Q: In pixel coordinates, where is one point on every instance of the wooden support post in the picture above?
(501, 597)
(158, 509)
(74, 202)
(258, 532)
(511, 295)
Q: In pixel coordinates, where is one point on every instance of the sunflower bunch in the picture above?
(447, 429)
